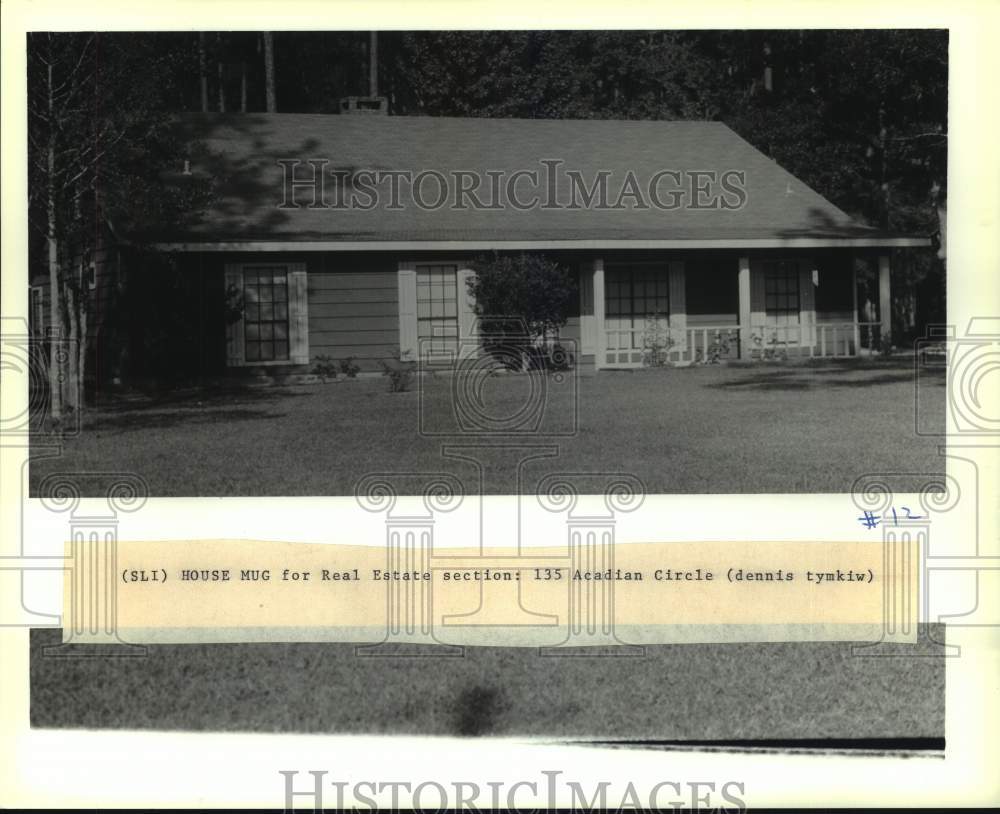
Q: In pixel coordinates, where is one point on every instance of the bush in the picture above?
(399, 371)
(521, 300)
(349, 368)
(325, 367)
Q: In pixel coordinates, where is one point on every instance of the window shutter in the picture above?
(408, 311)
(298, 314)
(234, 330)
(678, 305)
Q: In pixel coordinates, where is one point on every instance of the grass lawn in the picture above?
(776, 428)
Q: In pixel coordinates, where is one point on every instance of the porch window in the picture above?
(781, 292)
(437, 308)
(636, 304)
(265, 314)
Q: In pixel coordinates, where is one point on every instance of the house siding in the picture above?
(354, 308)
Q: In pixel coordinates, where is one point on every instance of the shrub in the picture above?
(399, 371)
(349, 368)
(522, 300)
(717, 350)
(325, 367)
(657, 343)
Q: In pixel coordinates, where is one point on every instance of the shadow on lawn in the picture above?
(819, 378)
(162, 420)
(199, 398)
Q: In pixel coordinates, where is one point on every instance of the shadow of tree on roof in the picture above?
(821, 223)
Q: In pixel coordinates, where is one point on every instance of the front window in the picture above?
(781, 292)
(636, 304)
(437, 308)
(265, 314)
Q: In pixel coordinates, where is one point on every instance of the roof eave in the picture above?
(291, 245)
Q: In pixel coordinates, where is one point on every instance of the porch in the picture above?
(651, 313)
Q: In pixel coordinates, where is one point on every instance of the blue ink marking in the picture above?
(870, 520)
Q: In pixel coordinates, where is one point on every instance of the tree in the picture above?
(99, 138)
(522, 300)
(271, 99)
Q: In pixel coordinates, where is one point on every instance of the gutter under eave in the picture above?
(537, 245)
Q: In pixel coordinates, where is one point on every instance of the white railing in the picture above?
(656, 345)
(827, 340)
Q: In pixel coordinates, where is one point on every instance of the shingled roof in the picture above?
(242, 151)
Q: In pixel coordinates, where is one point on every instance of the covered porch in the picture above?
(698, 308)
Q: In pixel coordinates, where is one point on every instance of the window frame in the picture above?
(426, 342)
(297, 315)
(272, 323)
(776, 271)
(660, 276)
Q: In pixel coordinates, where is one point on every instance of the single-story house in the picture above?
(353, 235)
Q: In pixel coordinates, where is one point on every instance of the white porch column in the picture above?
(856, 351)
(884, 296)
(467, 344)
(744, 283)
(678, 307)
(602, 343)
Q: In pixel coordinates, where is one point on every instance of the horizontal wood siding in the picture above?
(354, 309)
(571, 330)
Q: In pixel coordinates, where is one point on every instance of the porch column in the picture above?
(467, 345)
(744, 283)
(856, 351)
(884, 296)
(600, 352)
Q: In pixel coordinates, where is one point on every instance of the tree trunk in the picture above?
(55, 385)
(202, 75)
(222, 77)
(373, 65)
(72, 379)
(243, 87)
(272, 102)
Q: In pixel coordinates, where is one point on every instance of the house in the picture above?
(352, 236)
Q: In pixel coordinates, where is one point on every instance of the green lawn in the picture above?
(776, 428)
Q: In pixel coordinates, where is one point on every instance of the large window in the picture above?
(636, 302)
(781, 292)
(437, 308)
(265, 313)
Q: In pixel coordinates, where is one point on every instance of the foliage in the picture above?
(718, 349)
(99, 138)
(771, 350)
(522, 300)
(657, 342)
(325, 367)
(399, 371)
(349, 368)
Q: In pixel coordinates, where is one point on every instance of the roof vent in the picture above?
(364, 104)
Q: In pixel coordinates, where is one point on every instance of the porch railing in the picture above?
(660, 345)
